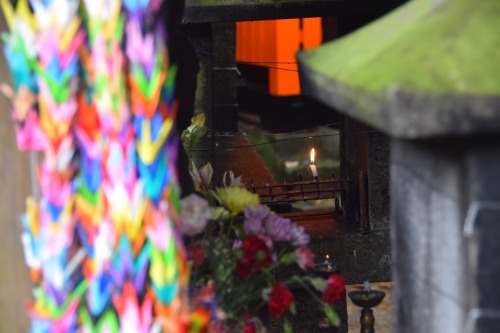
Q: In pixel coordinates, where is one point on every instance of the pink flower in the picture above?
(194, 215)
(267, 240)
(304, 257)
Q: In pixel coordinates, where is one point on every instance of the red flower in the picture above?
(196, 254)
(256, 255)
(249, 325)
(249, 328)
(280, 299)
(335, 290)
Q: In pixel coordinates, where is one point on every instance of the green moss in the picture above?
(432, 46)
(201, 83)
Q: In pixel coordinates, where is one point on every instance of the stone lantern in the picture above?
(428, 75)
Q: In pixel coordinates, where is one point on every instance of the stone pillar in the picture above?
(200, 36)
(442, 110)
(428, 246)
(445, 273)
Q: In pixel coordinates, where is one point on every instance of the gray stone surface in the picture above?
(429, 268)
(483, 164)
(360, 257)
(439, 274)
(225, 113)
(379, 199)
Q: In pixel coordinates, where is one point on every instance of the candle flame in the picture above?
(313, 154)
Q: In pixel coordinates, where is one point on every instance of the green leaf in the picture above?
(288, 258)
(293, 309)
(195, 136)
(171, 75)
(319, 283)
(238, 253)
(331, 314)
(238, 230)
(175, 198)
(185, 136)
(287, 327)
(198, 120)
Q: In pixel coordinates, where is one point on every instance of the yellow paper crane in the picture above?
(22, 11)
(148, 149)
(69, 34)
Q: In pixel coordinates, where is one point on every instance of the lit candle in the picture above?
(312, 166)
(367, 285)
(328, 264)
(327, 260)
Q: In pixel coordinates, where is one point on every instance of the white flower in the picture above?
(232, 180)
(265, 294)
(202, 177)
(194, 215)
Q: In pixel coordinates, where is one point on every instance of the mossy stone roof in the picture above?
(439, 59)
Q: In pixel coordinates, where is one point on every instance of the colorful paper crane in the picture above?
(93, 90)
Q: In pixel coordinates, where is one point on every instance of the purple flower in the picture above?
(253, 226)
(237, 244)
(254, 215)
(299, 236)
(279, 228)
(259, 212)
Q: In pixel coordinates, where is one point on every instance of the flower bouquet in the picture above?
(236, 249)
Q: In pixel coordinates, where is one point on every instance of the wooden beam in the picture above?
(203, 11)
